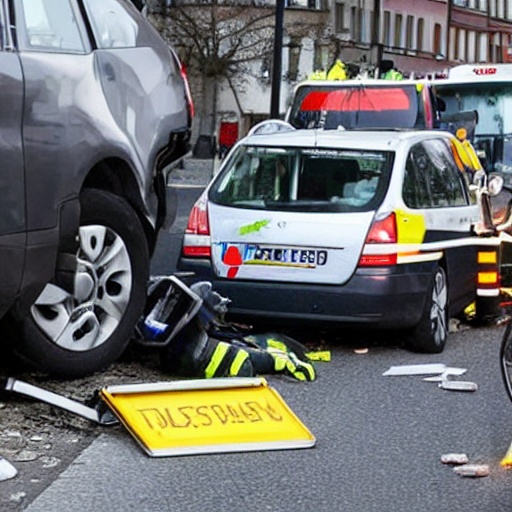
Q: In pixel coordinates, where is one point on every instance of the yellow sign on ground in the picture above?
(207, 416)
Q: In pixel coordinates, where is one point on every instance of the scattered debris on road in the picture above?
(454, 458)
(458, 385)
(472, 470)
(7, 470)
(443, 375)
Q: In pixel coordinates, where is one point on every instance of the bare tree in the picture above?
(217, 42)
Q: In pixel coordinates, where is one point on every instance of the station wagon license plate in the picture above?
(249, 254)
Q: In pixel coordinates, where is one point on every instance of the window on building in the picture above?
(494, 47)
(438, 40)
(339, 13)
(321, 56)
(303, 4)
(293, 59)
(361, 23)
(386, 29)
(492, 8)
(419, 34)
(409, 35)
(456, 44)
(398, 31)
(353, 23)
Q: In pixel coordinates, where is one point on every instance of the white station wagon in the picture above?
(366, 228)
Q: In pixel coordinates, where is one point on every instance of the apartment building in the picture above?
(420, 37)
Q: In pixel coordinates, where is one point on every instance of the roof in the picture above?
(378, 140)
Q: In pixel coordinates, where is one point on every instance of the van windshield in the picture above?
(358, 106)
(303, 179)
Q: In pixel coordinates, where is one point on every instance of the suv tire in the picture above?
(75, 334)
(431, 332)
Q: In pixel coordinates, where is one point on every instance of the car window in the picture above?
(431, 178)
(48, 25)
(112, 24)
(302, 179)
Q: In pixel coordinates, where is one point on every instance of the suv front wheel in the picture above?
(76, 333)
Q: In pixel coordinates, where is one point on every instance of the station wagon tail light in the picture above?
(196, 240)
(382, 231)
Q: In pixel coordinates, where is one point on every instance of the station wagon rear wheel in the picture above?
(432, 331)
(84, 328)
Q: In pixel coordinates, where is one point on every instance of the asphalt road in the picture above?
(379, 440)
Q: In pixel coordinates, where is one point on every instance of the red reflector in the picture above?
(197, 251)
(377, 260)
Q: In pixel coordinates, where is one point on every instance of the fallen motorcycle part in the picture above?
(233, 414)
(415, 369)
(170, 305)
(449, 372)
(99, 414)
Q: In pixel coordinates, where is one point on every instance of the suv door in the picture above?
(12, 184)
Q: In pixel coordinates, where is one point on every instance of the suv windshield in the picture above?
(360, 106)
(303, 179)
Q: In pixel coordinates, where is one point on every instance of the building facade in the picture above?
(420, 38)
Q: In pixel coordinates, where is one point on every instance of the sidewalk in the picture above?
(197, 173)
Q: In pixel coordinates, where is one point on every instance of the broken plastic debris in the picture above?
(458, 385)
(449, 372)
(361, 351)
(415, 369)
(101, 414)
(472, 470)
(454, 458)
(506, 462)
(7, 470)
(319, 355)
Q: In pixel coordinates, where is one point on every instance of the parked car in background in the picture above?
(361, 228)
(364, 104)
(94, 112)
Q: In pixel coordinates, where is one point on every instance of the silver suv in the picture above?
(95, 109)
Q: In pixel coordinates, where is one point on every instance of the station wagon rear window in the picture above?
(357, 107)
(303, 179)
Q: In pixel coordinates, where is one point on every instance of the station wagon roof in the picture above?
(387, 140)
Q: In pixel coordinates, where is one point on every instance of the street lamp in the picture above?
(277, 60)
(376, 45)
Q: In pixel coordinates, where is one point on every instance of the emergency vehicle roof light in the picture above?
(270, 126)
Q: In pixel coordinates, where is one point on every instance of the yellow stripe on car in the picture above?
(410, 226)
